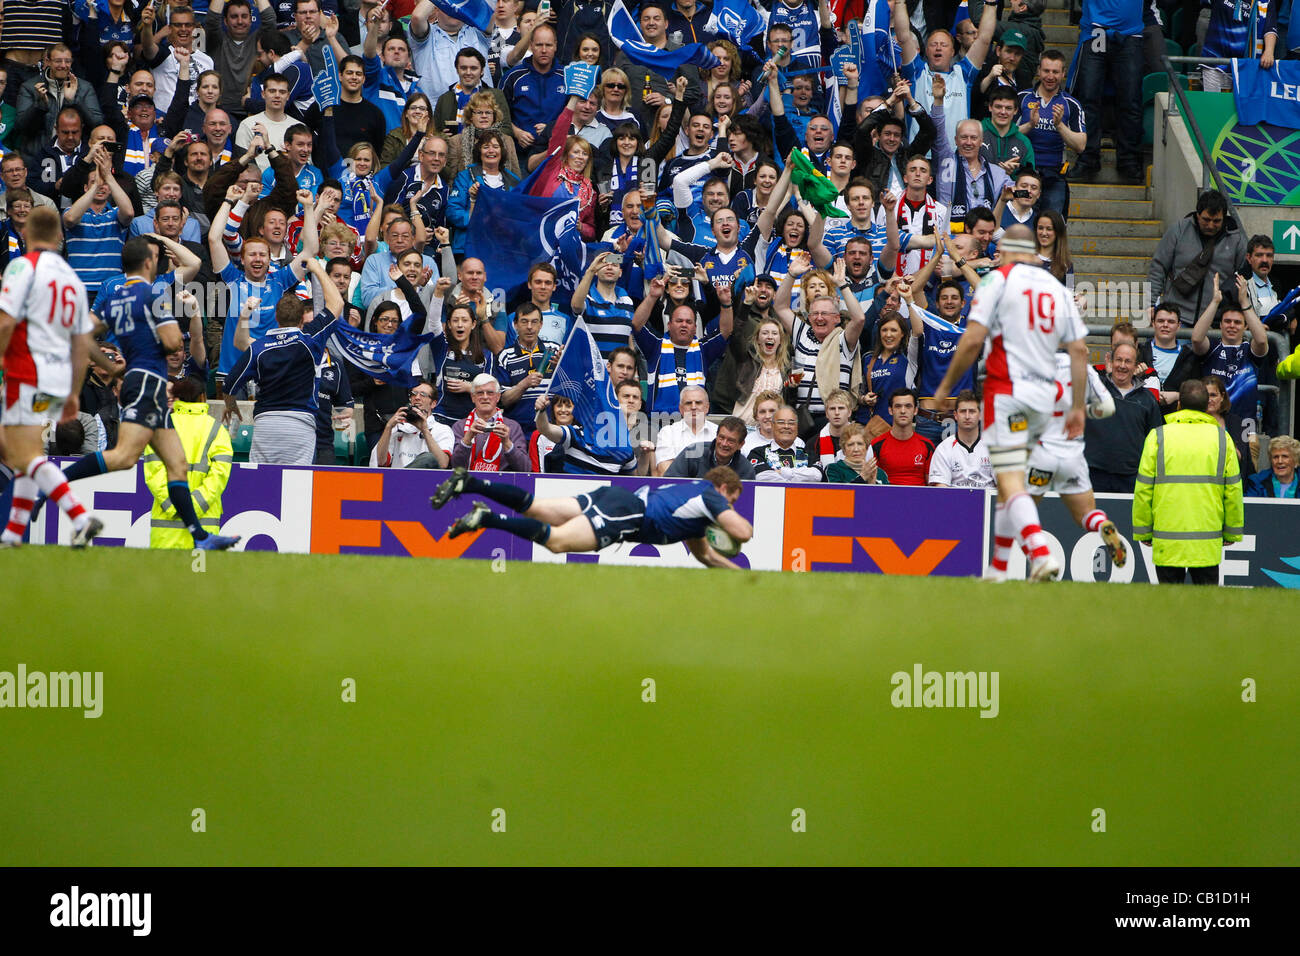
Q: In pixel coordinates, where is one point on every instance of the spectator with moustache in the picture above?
(695, 461)
(1113, 446)
(1263, 297)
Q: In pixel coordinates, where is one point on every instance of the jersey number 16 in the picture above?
(67, 300)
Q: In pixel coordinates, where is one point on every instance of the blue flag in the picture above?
(880, 54)
(583, 377)
(627, 37)
(1267, 96)
(325, 85)
(477, 13)
(390, 358)
(739, 20)
(512, 230)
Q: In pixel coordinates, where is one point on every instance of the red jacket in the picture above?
(548, 180)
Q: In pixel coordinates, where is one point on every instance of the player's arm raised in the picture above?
(72, 215)
(329, 291)
(310, 236)
(187, 263)
(216, 247)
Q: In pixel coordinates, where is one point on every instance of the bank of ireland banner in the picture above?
(1267, 556)
(1259, 164)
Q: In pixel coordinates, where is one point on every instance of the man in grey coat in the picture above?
(1183, 268)
(41, 99)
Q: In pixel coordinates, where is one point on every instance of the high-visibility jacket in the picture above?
(1289, 367)
(209, 453)
(1188, 499)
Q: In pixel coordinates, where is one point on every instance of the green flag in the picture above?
(814, 186)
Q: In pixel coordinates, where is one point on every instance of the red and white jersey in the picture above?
(1029, 315)
(954, 465)
(1054, 436)
(43, 294)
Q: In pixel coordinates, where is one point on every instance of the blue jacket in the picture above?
(1260, 485)
(533, 97)
(458, 208)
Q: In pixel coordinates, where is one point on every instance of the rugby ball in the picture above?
(721, 542)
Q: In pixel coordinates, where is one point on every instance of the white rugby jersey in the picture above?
(1053, 437)
(42, 292)
(1029, 315)
(957, 466)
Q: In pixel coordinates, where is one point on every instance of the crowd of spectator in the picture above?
(814, 334)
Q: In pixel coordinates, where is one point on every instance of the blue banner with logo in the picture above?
(1267, 96)
(477, 13)
(389, 358)
(627, 37)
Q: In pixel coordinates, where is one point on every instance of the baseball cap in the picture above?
(1014, 38)
(141, 98)
(766, 277)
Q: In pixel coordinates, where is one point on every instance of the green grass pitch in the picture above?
(522, 691)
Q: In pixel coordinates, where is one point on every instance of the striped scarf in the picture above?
(139, 147)
(667, 389)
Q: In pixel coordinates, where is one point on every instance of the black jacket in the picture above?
(696, 461)
(874, 164)
(1115, 444)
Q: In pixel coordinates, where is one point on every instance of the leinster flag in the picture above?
(880, 54)
(583, 377)
(477, 13)
(390, 358)
(739, 20)
(627, 37)
(511, 230)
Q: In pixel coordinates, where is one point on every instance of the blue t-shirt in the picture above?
(270, 290)
(1123, 17)
(680, 512)
(1239, 367)
(135, 310)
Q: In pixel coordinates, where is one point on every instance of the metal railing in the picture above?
(1176, 89)
(1285, 392)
